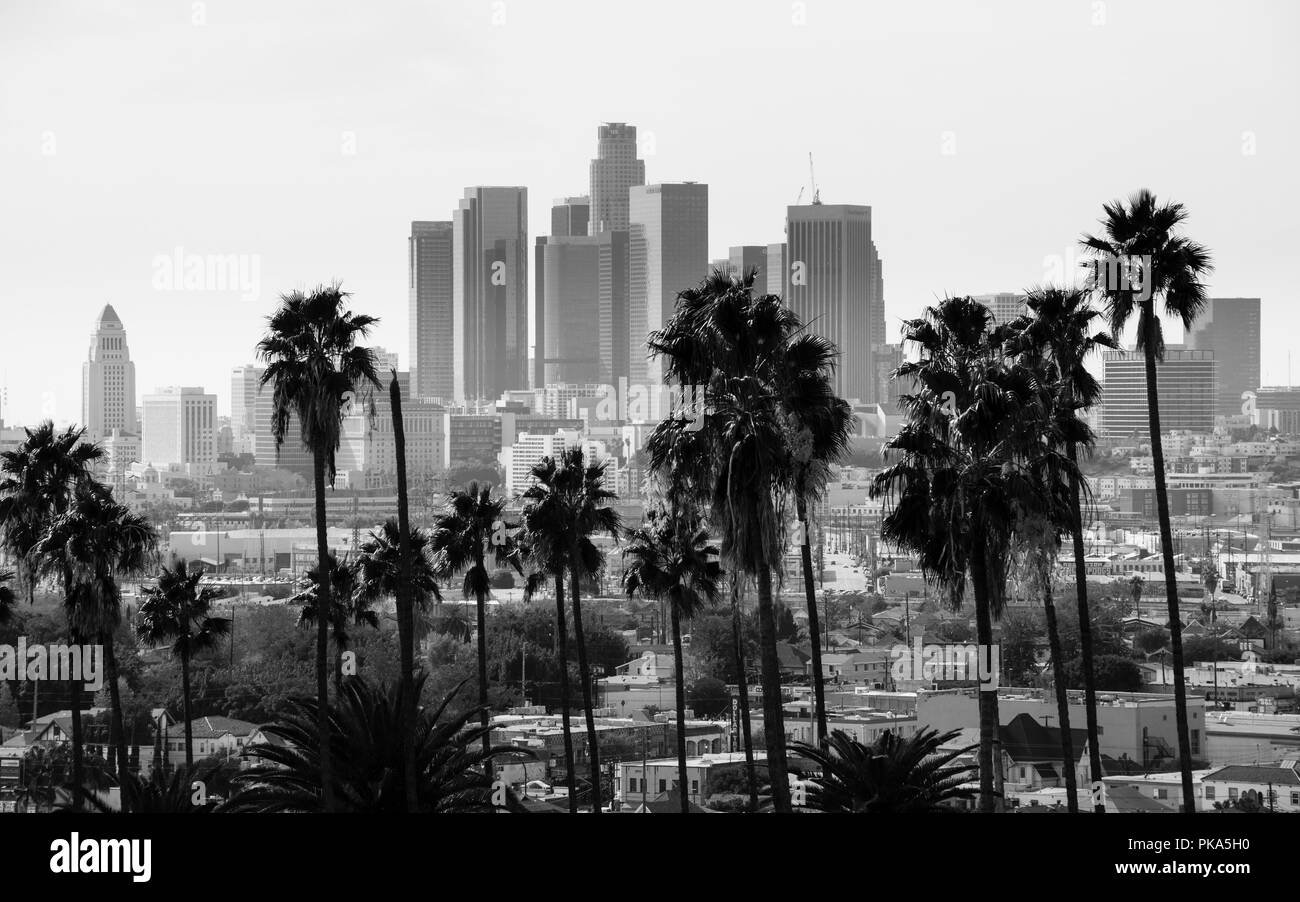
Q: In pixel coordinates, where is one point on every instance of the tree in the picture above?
(1145, 259)
(37, 482)
(709, 696)
(671, 558)
(316, 370)
(1151, 641)
(966, 468)
(176, 609)
(469, 535)
(366, 727)
(6, 597)
(1018, 637)
(348, 607)
(891, 776)
(1114, 674)
(1058, 336)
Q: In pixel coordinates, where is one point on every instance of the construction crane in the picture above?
(812, 178)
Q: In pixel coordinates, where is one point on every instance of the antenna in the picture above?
(812, 178)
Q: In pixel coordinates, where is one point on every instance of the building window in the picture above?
(1209, 791)
(695, 787)
(1232, 794)
(1162, 793)
(663, 785)
(1295, 798)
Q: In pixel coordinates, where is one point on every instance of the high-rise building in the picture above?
(833, 280)
(612, 304)
(569, 322)
(1230, 327)
(775, 269)
(668, 252)
(244, 385)
(291, 455)
(1005, 305)
(742, 258)
(490, 292)
(1187, 384)
(180, 428)
(570, 216)
(432, 360)
(1278, 407)
(108, 380)
(614, 171)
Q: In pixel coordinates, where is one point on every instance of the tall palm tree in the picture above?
(671, 559)
(1059, 333)
(1141, 240)
(544, 524)
(966, 466)
(316, 370)
(97, 541)
(469, 536)
(6, 596)
(733, 343)
(890, 776)
(177, 609)
(405, 603)
(348, 607)
(37, 482)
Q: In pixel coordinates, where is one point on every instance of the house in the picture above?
(649, 667)
(638, 783)
(793, 662)
(1126, 781)
(1031, 756)
(213, 736)
(861, 668)
(1271, 787)
(669, 802)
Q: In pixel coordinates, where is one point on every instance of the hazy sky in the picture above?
(985, 136)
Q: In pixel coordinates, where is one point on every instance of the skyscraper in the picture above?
(668, 252)
(429, 279)
(833, 280)
(1187, 384)
(570, 290)
(743, 258)
(490, 292)
(108, 380)
(612, 303)
(180, 428)
(1230, 327)
(1006, 305)
(244, 384)
(614, 171)
(775, 269)
(570, 216)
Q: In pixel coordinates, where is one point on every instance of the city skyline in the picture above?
(180, 175)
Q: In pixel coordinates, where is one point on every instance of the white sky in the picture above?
(129, 131)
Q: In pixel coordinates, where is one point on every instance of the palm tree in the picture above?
(468, 536)
(37, 482)
(575, 506)
(968, 468)
(176, 609)
(544, 524)
(6, 596)
(348, 607)
(890, 776)
(405, 603)
(316, 369)
(367, 728)
(1135, 586)
(671, 559)
(1144, 259)
(740, 457)
(1059, 334)
(96, 541)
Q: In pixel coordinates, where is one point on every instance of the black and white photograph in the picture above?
(751, 407)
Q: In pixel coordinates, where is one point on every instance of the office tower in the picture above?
(367, 454)
(833, 280)
(570, 216)
(244, 386)
(775, 269)
(180, 429)
(1230, 327)
(743, 258)
(432, 359)
(1005, 305)
(289, 456)
(1278, 407)
(668, 249)
(614, 172)
(1187, 383)
(612, 304)
(887, 358)
(108, 380)
(518, 458)
(490, 292)
(569, 325)
(385, 362)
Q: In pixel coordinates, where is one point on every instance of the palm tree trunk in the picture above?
(562, 638)
(990, 747)
(1167, 549)
(773, 721)
(682, 782)
(1069, 762)
(481, 606)
(74, 695)
(584, 673)
(115, 703)
(405, 604)
(1085, 626)
(323, 602)
(185, 709)
(814, 626)
(742, 686)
